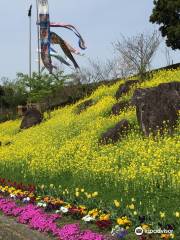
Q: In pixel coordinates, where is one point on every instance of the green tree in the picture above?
(40, 88)
(13, 95)
(166, 13)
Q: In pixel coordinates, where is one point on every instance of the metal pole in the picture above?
(38, 36)
(30, 58)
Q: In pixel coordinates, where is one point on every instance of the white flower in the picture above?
(41, 204)
(64, 209)
(58, 211)
(26, 199)
(116, 230)
(88, 218)
(13, 196)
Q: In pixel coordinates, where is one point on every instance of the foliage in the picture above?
(25, 89)
(40, 87)
(166, 14)
(12, 94)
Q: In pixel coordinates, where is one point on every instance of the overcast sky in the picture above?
(100, 22)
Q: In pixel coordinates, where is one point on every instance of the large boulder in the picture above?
(84, 105)
(157, 106)
(124, 88)
(116, 133)
(31, 118)
(120, 106)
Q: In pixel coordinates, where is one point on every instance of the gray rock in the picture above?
(156, 106)
(31, 118)
(116, 133)
(124, 88)
(84, 105)
(120, 106)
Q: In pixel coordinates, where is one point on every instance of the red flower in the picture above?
(104, 224)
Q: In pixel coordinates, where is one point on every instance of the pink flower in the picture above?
(36, 218)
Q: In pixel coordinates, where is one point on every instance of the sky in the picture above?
(100, 23)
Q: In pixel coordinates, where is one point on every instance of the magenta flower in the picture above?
(36, 218)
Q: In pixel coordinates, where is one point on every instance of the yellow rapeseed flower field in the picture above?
(65, 150)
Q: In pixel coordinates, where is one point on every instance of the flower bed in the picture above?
(41, 213)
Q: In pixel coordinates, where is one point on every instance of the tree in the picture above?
(168, 57)
(98, 71)
(2, 93)
(167, 14)
(41, 87)
(136, 52)
(13, 94)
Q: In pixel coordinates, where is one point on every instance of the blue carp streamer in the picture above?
(48, 38)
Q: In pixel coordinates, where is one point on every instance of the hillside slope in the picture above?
(64, 150)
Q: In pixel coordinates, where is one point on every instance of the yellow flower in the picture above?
(77, 194)
(123, 221)
(89, 196)
(120, 221)
(132, 207)
(94, 212)
(127, 222)
(68, 206)
(82, 189)
(95, 194)
(135, 213)
(104, 217)
(117, 203)
(83, 209)
(177, 214)
(162, 214)
(145, 226)
(82, 206)
(165, 236)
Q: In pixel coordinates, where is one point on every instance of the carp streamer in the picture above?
(48, 38)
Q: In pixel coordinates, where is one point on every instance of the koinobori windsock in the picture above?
(47, 38)
(44, 22)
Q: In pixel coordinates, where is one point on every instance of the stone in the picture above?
(120, 106)
(31, 118)
(156, 106)
(11, 230)
(84, 105)
(124, 88)
(116, 133)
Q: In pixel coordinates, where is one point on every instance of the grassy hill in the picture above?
(63, 153)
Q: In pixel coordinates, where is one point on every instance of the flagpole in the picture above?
(30, 40)
(38, 40)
